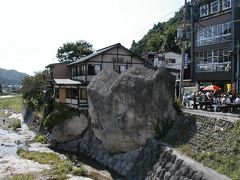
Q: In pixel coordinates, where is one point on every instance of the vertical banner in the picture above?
(186, 61)
(229, 87)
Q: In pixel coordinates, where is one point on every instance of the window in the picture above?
(82, 70)
(94, 69)
(120, 68)
(226, 4)
(213, 34)
(209, 56)
(83, 93)
(212, 61)
(91, 69)
(75, 71)
(56, 92)
(68, 93)
(74, 94)
(97, 68)
(215, 56)
(71, 93)
(171, 61)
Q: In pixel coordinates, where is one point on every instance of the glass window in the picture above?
(97, 68)
(209, 56)
(68, 93)
(220, 29)
(215, 32)
(225, 55)
(122, 69)
(220, 55)
(56, 92)
(91, 70)
(74, 93)
(83, 93)
(215, 56)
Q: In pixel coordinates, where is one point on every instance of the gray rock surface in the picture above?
(127, 109)
(70, 129)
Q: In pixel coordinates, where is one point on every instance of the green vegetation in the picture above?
(178, 106)
(60, 114)
(14, 103)
(24, 177)
(161, 38)
(60, 168)
(225, 158)
(16, 124)
(41, 157)
(72, 51)
(79, 171)
(32, 89)
(41, 139)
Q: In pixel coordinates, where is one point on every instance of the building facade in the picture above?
(115, 57)
(215, 36)
(71, 88)
(170, 60)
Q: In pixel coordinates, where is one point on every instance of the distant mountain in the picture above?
(11, 77)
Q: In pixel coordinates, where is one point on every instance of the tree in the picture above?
(72, 51)
(1, 89)
(33, 88)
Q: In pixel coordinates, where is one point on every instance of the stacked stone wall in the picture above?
(155, 161)
(200, 132)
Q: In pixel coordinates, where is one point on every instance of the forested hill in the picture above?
(11, 77)
(162, 37)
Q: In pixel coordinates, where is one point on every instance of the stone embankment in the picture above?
(152, 161)
(200, 132)
(155, 160)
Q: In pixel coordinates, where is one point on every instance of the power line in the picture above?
(143, 29)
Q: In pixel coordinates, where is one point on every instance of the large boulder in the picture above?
(128, 109)
(70, 129)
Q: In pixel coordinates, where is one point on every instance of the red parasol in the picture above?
(211, 88)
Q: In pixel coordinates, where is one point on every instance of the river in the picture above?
(11, 164)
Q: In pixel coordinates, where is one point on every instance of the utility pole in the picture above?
(182, 42)
(238, 59)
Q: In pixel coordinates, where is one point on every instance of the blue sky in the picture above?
(32, 30)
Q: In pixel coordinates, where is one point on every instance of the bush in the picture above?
(178, 106)
(79, 171)
(41, 139)
(60, 114)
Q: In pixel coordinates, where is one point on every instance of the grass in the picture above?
(60, 168)
(41, 139)
(24, 177)
(41, 157)
(14, 103)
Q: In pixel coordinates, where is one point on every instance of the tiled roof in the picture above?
(95, 53)
(67, 82)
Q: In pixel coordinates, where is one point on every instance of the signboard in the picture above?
(226, 4)
(204, 10)
(215, 6)
(186, 61)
